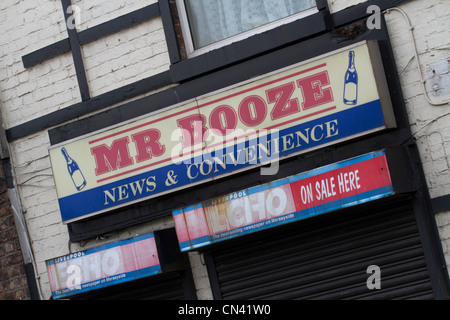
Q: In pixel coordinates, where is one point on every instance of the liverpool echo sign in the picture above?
(348, 183)
(319, 102)
(103, 266)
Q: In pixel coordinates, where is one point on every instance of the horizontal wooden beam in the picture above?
(441, 204)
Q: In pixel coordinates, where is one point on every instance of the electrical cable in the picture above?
(33, 262)
(416, 55)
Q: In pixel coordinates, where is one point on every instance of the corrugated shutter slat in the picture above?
(327, 257)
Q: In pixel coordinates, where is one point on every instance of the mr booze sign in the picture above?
(290, 111)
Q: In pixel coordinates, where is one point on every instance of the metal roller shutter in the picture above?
(327, 257)
(161, 287)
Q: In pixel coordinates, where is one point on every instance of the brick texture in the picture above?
(13, 281)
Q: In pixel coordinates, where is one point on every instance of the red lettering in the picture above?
(193, 129)
(112, 158)
(223, 118)
(148, 145)
(313, 92)
(284, 105)
(252, 110)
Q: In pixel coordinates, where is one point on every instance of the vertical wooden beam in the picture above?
(76, 52)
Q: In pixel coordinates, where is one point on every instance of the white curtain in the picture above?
(215, 20)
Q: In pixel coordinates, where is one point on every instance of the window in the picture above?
(210, 24)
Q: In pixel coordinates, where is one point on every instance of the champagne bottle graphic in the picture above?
(351, 81)
(74, 170)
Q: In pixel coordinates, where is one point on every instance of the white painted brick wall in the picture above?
(443, 224)
(95, 12)
(431, 22)
(125, 57)
(139, 52)
(430, 124)
(26, 94)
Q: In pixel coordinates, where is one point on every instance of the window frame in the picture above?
(191, 52)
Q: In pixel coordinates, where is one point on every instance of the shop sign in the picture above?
(313, 104)
(298, 197)
(103, 266)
